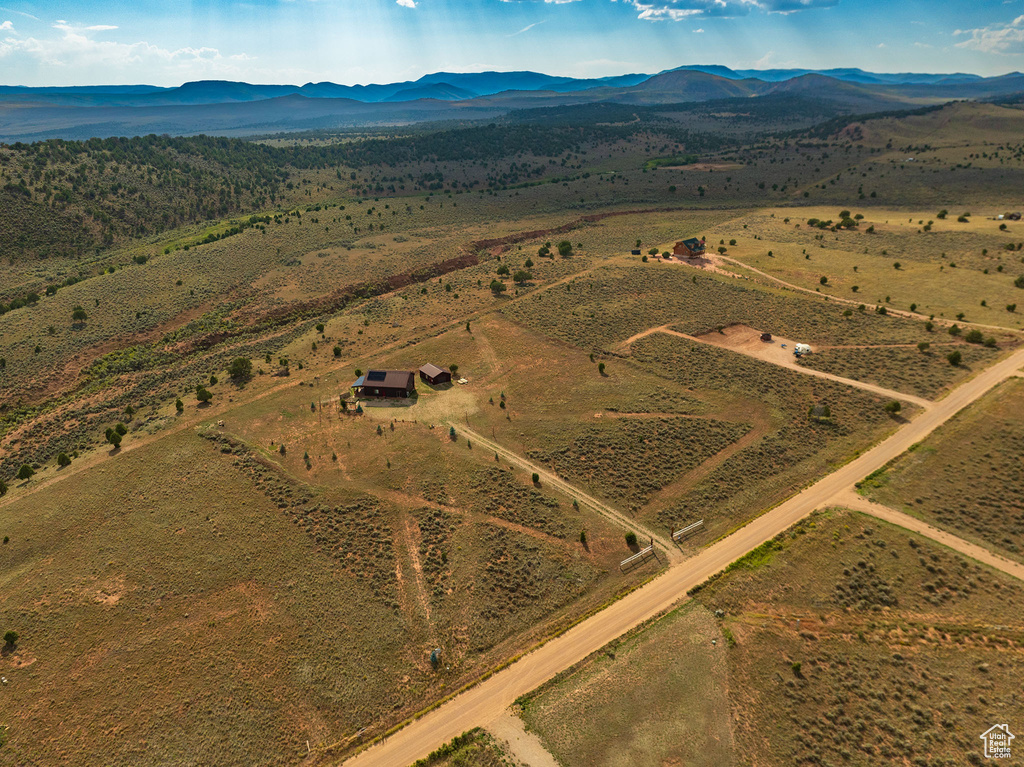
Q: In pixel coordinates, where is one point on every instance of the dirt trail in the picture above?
(852, 500)
(486, 701)
(522, 745)
(854, 302)
(564, 487)
(411, 535)
(760, 426)
(773, 353)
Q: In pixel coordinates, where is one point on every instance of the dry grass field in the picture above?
(967, 477)
(271, 568)
(854, 642)
(657, 696)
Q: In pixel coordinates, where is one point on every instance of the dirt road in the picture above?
(486, 702)
(744, 340)
(523, 745)
(670, 549)
(852, 500)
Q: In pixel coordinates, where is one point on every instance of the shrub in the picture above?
(955, 330)
(179, 405)
(10, 638)
(535, 478)
(203, 394)
(498, 287)
(121, 429)
(114, 438)
(974, 336)
(1019, 282)
(63, 460)
(893, 407)
(25, 472)
(3, 488)
(281, 449)
(923, 346)
(337, 351)
(565, 248)
(600, 368)
(631, 538)
(240, 368)
(954, 358)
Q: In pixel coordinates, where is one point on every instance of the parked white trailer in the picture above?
(802, 349)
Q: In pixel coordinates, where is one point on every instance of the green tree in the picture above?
(121, 429)
(522, 276)
(535, 478)
(565, 248)
(179, 405)
(25, 472)
(202, 394)
(11, 638)
(63, 460)
(600, 368)
(892, 407)
(503, 271)
(1019, 282)
(631, 539)
(78, 314)
(923, 346)
(954, 358)
(240, 369)
(498, 287)
(3, 488)
(823, 280)
(337, 351)
(114, 438)
(974, 336)
(454, 369)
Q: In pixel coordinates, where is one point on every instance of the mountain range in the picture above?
(222, 107)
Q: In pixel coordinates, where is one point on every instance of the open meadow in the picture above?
(967, 477)
(844, 640)
(216, 551)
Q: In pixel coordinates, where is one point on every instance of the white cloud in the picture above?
(76, 51)
(677, 10)
(1004, 39)
(100, 27)
(20, 13)
(406, 3)
(698, 31)
(527, 28)
(7, 26)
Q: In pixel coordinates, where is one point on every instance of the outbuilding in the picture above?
(386, 383)
(434, 375)
(766, 337)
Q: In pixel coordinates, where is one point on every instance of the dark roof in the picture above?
(693, 243)
(432, 370)
(390, 379)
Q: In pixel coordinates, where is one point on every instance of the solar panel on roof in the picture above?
(376, 375)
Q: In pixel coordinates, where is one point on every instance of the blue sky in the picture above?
(81, 42)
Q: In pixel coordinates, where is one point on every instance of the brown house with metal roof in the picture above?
(691, 248)
(386, 383)
(434, 375)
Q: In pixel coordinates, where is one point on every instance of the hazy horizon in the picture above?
(299, 41)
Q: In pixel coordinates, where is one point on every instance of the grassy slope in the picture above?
(659, 696)
(905, 650)
(966, 477)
